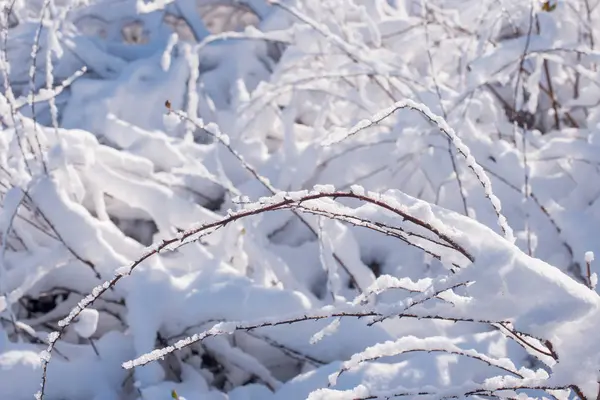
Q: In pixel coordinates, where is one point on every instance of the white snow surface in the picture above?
(289, 200)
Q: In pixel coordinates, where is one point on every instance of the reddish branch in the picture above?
(477, 392)
(208, 228)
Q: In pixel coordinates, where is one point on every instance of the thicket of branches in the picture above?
(323, 199)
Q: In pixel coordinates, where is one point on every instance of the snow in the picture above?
(296, 208)
(358, 190)
(324, 188)
(86, 323)
(589, 256)
(171, 121)
(327, 331)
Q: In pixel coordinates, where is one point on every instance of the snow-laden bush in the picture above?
(342, 199)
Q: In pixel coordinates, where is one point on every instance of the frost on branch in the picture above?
(216, 247)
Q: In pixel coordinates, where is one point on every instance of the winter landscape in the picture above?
(299, 199)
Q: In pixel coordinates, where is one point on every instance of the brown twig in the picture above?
(265, 183)
(208, 228)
